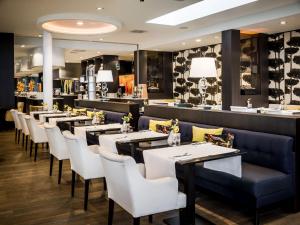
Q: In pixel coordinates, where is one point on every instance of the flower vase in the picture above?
(173, 139)
(125, 127)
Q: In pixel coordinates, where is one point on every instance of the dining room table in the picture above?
(46, 116)
(36, 114)
(126, 143)
(67, 123)
(96, 129)
(180, 162)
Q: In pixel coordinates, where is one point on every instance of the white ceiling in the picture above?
(20, 17)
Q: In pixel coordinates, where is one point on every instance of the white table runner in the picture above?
(53, 121)
(32, 113)
(161, 162)
(108, 141)
(81, 131)
(44, 115)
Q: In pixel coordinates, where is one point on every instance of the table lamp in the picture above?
(103, 77)
(203, 68)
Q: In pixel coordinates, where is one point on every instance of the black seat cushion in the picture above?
(256, 180)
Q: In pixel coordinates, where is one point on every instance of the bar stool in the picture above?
(58, 147)
(85, 161)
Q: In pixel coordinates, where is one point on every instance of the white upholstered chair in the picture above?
(25, 131)
(37, 134)
(138, 196)
(85, 161)
(58, 147)
(18, 127)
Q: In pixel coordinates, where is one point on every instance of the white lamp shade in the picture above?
(104, 76)
(203, 67)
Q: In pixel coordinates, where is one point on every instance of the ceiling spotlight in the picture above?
(283, 22)
(22, 46)
(99, 8)
(100, 39)
(183, 43)
(40, 35)
(198, 40)
(79, 23)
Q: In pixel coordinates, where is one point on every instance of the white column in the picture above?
(47, 69)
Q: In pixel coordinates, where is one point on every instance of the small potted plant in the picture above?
(126, 120)
(174, 136)
(55, 107)
(98, 117)
(68, 109)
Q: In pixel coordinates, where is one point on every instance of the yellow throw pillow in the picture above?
(199, 133)
(153, 123)
(89, 114)
(78, 111)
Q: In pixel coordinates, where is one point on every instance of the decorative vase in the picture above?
(125, 127)
(173, 139)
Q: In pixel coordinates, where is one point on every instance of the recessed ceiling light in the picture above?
(22, 46)
(40, 35)
(79, 23)
(197, 10)
(99, 8)
(98, 52)
(198, 40)
(183, 43)
(80, 57)
(283, 22)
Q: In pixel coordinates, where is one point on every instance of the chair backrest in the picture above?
(57, 142)
(23, 123)
(32, 127)
(16, 119)
(122, 177)
(79, 154)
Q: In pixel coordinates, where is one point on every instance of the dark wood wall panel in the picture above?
(7, 88)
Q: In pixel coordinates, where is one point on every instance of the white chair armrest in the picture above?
(141, 168)
(155, 196)
(94, 148)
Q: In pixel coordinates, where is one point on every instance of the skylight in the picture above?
(198, 10)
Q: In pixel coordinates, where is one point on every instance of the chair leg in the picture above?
(59, 170)
(47, 145)
(51, 164)
(73, 183)
(136, 221)
(256, 217)
(104, 184)
(111, 205)
(23, 139)
(86, 193)
(26, 142)
(19, 134)
(150, 218)
(31, 144)
(16, 135)
(35, 151)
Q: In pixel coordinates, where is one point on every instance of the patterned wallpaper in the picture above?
(284, 68)
(284, 71)
(186, 88)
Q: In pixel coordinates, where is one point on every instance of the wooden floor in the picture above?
(29, 196)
